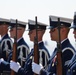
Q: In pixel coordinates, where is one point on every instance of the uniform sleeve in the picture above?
(21, 71)
(6, 47)
(44, 72)
(67, 55)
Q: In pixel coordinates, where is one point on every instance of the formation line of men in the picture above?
(25, 64)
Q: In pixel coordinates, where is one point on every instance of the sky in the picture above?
(28, 9)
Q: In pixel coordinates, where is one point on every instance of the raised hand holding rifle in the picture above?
(36, 50)
(14, 56)
(59, 53)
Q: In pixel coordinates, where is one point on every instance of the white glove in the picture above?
(14, 66)
(1, 60)
(36, 68)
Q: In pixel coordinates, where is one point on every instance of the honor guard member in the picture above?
(22, 47)
(6, 43)
(72, 63)
(66, 47)
(43, 52)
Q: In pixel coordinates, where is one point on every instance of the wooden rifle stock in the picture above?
(59, 69)
(36, 50)
(14, 56)
(59, 63)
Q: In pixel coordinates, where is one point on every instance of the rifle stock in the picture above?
(59, 63)
(59, 53)
(36, 57)
(36, 50)
(14, 56)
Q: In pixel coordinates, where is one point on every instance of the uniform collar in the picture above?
(39, 42)
(19, 39)
(63, 40)
(3, 36)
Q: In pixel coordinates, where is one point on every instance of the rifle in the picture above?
(36, 50)
(14, 57)
(59, 53)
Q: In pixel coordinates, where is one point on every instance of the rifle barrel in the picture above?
(36, 50)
